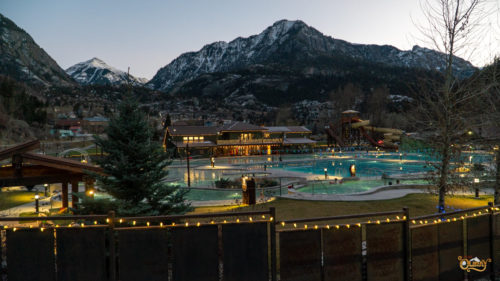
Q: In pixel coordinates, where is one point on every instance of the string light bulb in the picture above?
(161, 224)
(198, 224)
(187, 224)
(237, 220)
(133, 222)
(147, 223)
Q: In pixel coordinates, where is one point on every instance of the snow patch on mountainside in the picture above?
(290, 40)
(97, 72)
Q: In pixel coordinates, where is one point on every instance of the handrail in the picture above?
(455, 212)
(139, 218)
(208, 215)
(343, 217)
(78, 217)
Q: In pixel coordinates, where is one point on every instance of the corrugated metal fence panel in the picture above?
(342, 254)
(425, 253)
(81, 254)
(195, 253)
(385, 251)
(478, 242)
(30, 255)
(300, 255)
(143, 254)
(450, 236)
(245, 252)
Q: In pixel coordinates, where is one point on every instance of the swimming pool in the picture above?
(369, 168)
(350, 186)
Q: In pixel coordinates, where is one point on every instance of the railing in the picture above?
(251, 141)
(243, 246)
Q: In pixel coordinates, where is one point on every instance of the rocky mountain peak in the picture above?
(294, 44)
(96, 72)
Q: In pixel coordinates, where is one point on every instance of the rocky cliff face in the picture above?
(22, 59)
(297, 45)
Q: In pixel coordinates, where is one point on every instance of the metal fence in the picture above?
(254, 246)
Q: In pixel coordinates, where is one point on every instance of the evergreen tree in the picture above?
(135, 166)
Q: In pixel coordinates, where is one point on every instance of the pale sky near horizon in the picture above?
(147, 35)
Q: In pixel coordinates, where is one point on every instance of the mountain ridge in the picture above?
(289, 43)
(96, 72)
(24, 60)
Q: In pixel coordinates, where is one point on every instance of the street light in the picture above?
(326, 173)
(45, 191)
(476, 181)
(37, 198)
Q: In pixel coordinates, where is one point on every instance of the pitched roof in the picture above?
(240, 126)
(20, 148)
(192, 130)
(58, 163)
(288, 129)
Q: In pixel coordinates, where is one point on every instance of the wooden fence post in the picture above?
(272, 226)
(407, 245)
(112, 251)
(492, 240)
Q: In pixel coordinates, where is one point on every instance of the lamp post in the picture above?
(476, 189)
(187, 159)
(37, 198)
(45, 189)
(326, 173)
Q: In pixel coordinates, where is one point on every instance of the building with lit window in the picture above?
(237, 138)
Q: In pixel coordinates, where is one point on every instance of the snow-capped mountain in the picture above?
(97, 72)
(295, 44)
(22, 59)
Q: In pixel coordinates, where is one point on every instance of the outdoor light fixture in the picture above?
(37, 197)
(352, 170)
(476, 180)
(45, 189)
(326, 173)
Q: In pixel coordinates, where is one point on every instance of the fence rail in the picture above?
(254, 246)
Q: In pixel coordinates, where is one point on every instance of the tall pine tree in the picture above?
(135, 166)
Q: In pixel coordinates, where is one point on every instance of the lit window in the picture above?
(185, 138)
(196, 138)
(191, 138)
(202, 138)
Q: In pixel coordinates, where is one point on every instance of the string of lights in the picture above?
(128, 223)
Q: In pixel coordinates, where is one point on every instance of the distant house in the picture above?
(66, 123)
(238, 138)
(95, 125)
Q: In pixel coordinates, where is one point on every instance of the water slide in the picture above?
(390, 134)
(332, 134)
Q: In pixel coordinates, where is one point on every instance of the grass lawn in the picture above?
(9, 199)
(419, 204)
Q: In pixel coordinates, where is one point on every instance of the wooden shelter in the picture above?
(28, 169)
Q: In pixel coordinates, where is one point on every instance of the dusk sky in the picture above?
(147, 35)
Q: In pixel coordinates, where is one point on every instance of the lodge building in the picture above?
(237, 138)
